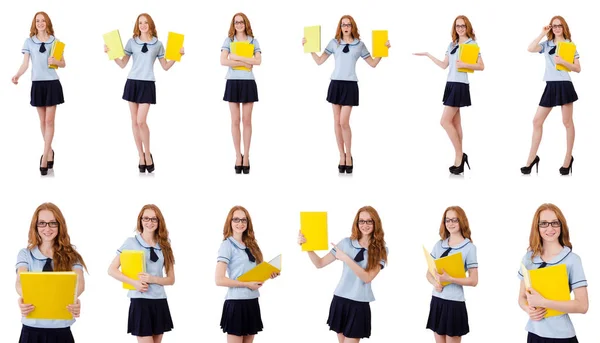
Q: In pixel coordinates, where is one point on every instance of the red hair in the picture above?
(469, 29)
(161, 234)
(247, 26)
(247, 237)
(49, 29)
(376, 248)
(565, 28)
(354, 32)
(151, 26)
(536, 244)
(463, 222)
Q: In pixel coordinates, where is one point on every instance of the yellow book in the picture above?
(114, 44)
(566, 50)
(50, 293)
(430, 264)
(453, 265)
(313, 38)
(132, 263)
(380, 37)
(174, 45)
(551, 282)
(263, 271)
(468, 53)
(313, 226)
(243, 49)
(57, 52)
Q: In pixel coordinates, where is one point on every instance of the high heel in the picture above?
(43, 170)
(342, 167)
(527, 170)
(245, 169)
(150, 167)
(51, 163)
(142, 167)
(350, 168)
(238, 169)
(461, 168)
(569, 169)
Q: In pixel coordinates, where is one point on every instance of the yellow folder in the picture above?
(313, 225)
(57, 52)
(243, 49)
(132, 263)
(551, 282)
(566, 50)
(468, 53)
(263, 271)
(452, 264)
(174, 45)
(114, 44)
(313, 38)
(380, 37)
(50, 293)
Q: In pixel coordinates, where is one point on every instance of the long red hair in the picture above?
(354, 32)
(247, 237)
(463, 222)
(376, 247)
(161, 235)
(535, 239)
(49, 29)
(565, 28)
(247, 26)
(64, 253)
(469, 30)
(151, 26)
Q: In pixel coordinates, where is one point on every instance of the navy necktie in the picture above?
(544, 264)
(454, 50)
(145, 48)
(552, 51)
(43, 48)
(346, 48)
(360, 256)
(48, 265)
(153, 256)
(446, 253)
(250, 256)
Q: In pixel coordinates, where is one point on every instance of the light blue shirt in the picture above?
(239, 74)
(34, 260)
(154, 291)
(551, 74)
(558, 326)
(39, 60)
(345, 62)
(469, 256)
(454, 75)
(350, 285)
(233, 253)
(143, 62)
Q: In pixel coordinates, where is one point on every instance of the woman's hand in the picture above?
(25, 308)
(75, 309)
(254, 285)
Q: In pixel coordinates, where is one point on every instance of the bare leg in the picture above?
(538, 128)
(248, 339)
(133, 109)
(439, 338)
(339, 138)
(247, 122)
(347, 132)
(145, 339)
(567, 117)
(453, 339)
(351, 340)
(339, 335)
(235, 339)
(49, 131)
(447, 123)
(157, 338)
(144, 130)
(234, 108)
(458, 126)
(42, 115)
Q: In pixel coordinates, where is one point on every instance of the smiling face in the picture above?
(47, 226)
(549, 226)
(149, 221)
(239, 222)
(239, 24)
(143, 24)
(557, 27)
(366, 224)
(461, 27)
(452, 223)
(40, 22)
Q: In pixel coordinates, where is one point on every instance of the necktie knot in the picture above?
(446, 252)
(145, 48)
(454, 50)
(153, 256)
(43, 47)
(346, 48)
(250, 256)
(360, 256)
(48, 265)
(544, 264)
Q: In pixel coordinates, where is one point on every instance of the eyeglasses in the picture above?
(555, 223)
(147, 219)
(239, 220)
(366, 222)
(346, 25)
(458, 26)
(451, 220)
(559, 26)
(44, 224)
(239, 22)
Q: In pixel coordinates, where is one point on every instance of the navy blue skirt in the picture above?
(241, 317)
(141, 92)
(38, 335)
(533, 338)
(343, 93)
(350, 318)
(448, 317)
(241, 91)
(149, 317)
(457, 94)
(46, 93)
(558, 93)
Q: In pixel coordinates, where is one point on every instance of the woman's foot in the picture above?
(348, 160)
(51, 160)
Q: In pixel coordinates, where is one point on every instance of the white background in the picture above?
(402, 155)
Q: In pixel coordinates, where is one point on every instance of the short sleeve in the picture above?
(226, 44)
(22, 260)
(161, 50)
(471, 259)
(341, 245)
(26, 47)
(330, 49)
(576, 54)
(256, 46)
(576, 275)
(364, 52)
(129, 47)
(433, 251)
(525, 263)
(450, 46)
(225, 252)
(543, 45)
(126, 245)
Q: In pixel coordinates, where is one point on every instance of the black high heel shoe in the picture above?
(43, 170)
(245, 169)
(150, 167)
(527, 170)
(142, 167)
(569, 169)
(342, 167)
(350, 168)
(461, 168)
(51, 163)
(238, 169)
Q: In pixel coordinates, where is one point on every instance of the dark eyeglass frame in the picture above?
(238, 220)
(451, 220)
(152, 219)
(43, 224)
(366, 222)
(555, 223)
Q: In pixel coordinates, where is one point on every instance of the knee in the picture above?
(538, 123)
(141, 123)
(568, 123)
(49, 122)
(247, 121)
(345, 124)
(445, 123)
(235, 122)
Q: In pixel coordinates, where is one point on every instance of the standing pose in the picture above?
(343, 88)
(149, 315)
(364, 255)
(456, 94)
(49, 250)
(559, 91)
(549, 245)
(448, 312)
(140, 90)
(46, 90)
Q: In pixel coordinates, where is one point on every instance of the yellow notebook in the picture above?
(263, 271)
(57, 52)
(132, 263)
(313, 38)
(313, 226)
(551, 282)
(380, 37)
(566, 50)
(174, 45)
(468, 53)
(453, 265)
(114, 44)
(243, 49)
(50, 293)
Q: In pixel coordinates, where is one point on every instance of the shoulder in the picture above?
(225, 243)
(528, 257)
(24, 252)
(573, 258)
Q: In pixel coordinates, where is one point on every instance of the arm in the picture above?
(113, 270)
(365, 276)
(225, 61)
(18, 282)
(255, 61)
(571, 66)
(534, 313)
(442, 64)
(53, 61)
(470, 280)
(477, 66)
(166, 65)
(222, 280)
(22, 68)
(578, 305)
(534, 46)
(169, 280)
(80, 281)
(373, 62)
(321, 262)
(319, 59)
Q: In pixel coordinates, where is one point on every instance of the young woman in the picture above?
(559, 91)
(46, 90)
(549, 245)
(364, 255)
(448, 313)
(456, 94)
(343, 88)
(238, 254)
(140, 90)
(149, 315)
(49, 249)
(240, 88)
